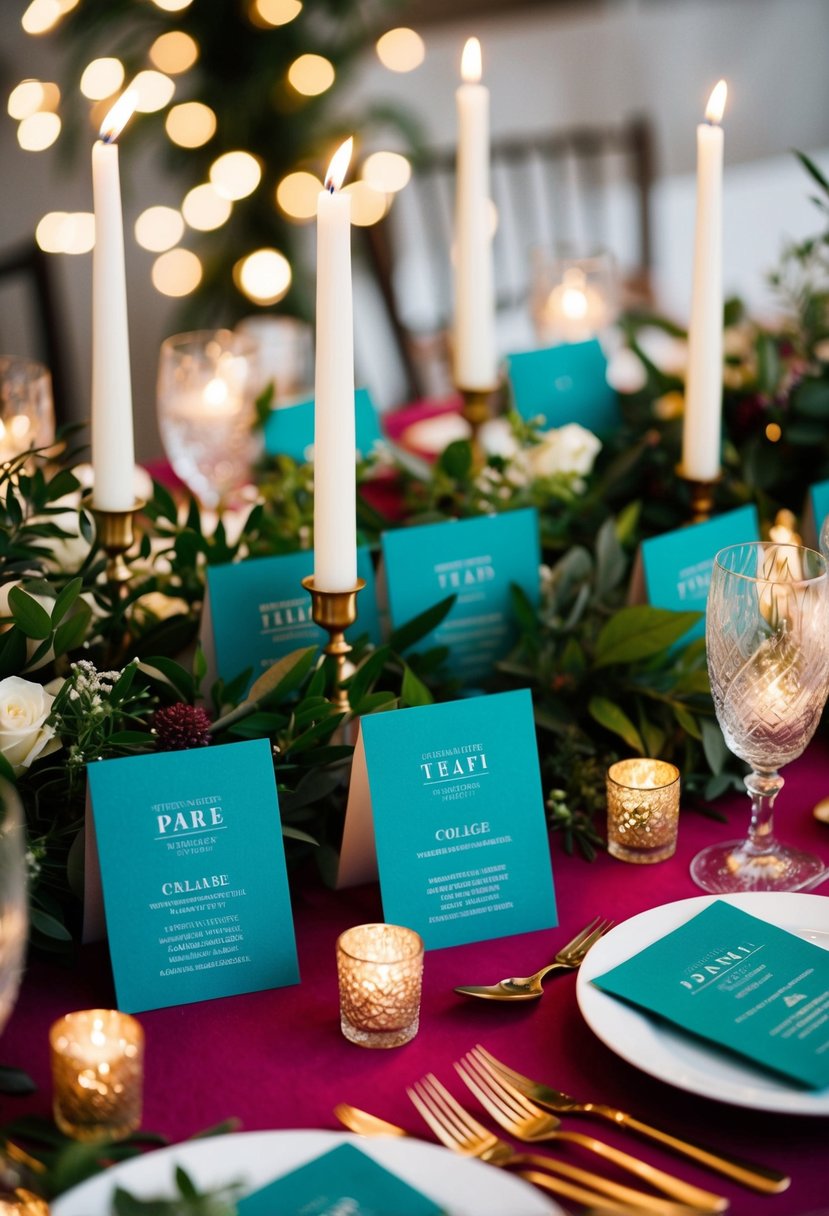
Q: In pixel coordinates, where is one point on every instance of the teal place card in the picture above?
(476, 560)
(289, 430)
(342, 1182)
(193, 871)
(819, 503)
(562, 384)
(677, 565)
(450, 798)
(257, 611)
(740, 983)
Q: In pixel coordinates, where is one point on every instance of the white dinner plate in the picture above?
(678, 1058)
(464, 1187)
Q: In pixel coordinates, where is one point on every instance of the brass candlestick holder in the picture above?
(477, 409)
(116, 536)
(702, 496)
(335, 611)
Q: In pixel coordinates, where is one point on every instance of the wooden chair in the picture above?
(572, 192)
(27, 280)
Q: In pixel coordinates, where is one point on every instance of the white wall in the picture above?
(544, 68)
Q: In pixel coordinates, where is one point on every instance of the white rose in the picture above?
(568, 450)
(24, 735)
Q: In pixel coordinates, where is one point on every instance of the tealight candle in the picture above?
(97, 1074)
(642, 810)
(380, 968)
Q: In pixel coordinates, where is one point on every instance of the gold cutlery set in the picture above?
(528, 1111)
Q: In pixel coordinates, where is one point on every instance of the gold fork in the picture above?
(758, 1177)
(526, 1121)
(458, 1130)
(528, 987)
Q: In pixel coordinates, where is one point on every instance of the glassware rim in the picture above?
(806, 580)
(39, 369)
(245, 342)
(415, 943)
(643, 789)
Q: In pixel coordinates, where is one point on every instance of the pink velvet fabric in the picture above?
(278, 1060)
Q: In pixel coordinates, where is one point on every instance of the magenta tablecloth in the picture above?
(277, 1059)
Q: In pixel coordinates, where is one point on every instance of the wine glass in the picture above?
(14, 921)
(27, 416)
(206, 386)
(767, 637)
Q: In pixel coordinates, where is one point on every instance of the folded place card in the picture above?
(256, 611)
(741, 983)
(476, 560)
(562, 384)
(343, 1182)
(450, 798)
(289, 429)
(676, 566)
(193, 871)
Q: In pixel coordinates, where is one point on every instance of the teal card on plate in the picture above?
(819, 501)
(259, 611)
(343, 1182)
(477, 560)
(289, 429)
(193, 872)
(677, 565)
(566, 383)
(740, 983)
(458, 818)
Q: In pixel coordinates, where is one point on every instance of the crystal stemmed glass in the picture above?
(206, 385)
(767, 637)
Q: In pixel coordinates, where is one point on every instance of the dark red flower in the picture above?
(180, 726)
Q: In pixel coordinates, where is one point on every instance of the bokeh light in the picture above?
(30, 96)
(177, 272)
(204, 209)
(401, 50)
(311, 75)
(174, 52)
(367, 205)
(66, 232)
(41, 16)
(275, 12)
(154, 90)
(297, 195)
(159, 228)
(263, 276)
(38, 131)
(386, 172)
(235, 174)
(172, 6)
(101, 78)
(190, 124)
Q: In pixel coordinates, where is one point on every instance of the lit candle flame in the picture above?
(716, 103)
(338, 168)
(117, 117)
(471, 61)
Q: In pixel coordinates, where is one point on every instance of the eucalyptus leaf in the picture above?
(284, 676)
(29, 615)
(613, 718)
(414, 691)
(639, 632)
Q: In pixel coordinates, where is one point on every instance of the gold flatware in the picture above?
(757, 1177)
(528, 987)
(455, 1127)
(526, 1121)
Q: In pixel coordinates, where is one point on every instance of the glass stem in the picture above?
(763, 788)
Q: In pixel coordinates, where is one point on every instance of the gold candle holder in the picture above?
(642, 810)
(702, 494)
(380, 970)
(97, 1074)
(335, 611)
(477, 409)
(116, 535)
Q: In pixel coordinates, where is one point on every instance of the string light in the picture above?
(172, 6)
(101, 78)
(204, 209)
(154, 89)
(66, 232)
(264, 276)
(174, 52)
(387, 172)
(297, 195)
(311, 75)
(367, 205)
(38, 131)
(275, 12)
(401, 50)
(235, 175)
(30, 96)
(159, 228)
(41, 16)
(177, 272)
(190, 124)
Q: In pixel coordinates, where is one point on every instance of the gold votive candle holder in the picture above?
(97, 1074)
(642, 810)
(23, 1203)
(380, 969)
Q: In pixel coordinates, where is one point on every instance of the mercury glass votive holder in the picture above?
(97, 1074)
(380, 968)
(642, 810)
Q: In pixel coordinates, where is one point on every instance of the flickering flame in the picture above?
(471, 61)
(338, 168)
(716, 102)
(117, 118)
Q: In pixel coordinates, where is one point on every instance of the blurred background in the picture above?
(283, 81)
